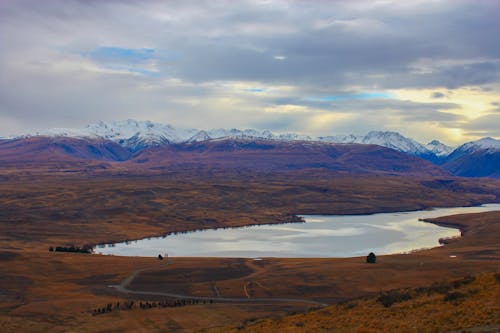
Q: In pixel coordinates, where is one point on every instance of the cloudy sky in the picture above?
(426, 68)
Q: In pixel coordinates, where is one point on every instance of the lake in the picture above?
(320, 236)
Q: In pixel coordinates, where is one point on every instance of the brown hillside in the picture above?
(266, 156)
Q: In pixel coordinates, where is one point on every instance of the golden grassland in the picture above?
(64, 208)
(44, 291)
(464, 305)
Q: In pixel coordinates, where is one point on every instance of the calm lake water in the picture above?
(320, 236)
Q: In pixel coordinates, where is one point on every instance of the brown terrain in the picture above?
(73, 154)
(42, 290)
(64, 202)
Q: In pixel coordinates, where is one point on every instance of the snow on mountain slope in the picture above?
(199, 137)
(481, 144)
(391, 140)
(136, 135)
(128, 133)
(479, 158)
(438, 148)
(395, 141)
(237, 133)
(341, 139)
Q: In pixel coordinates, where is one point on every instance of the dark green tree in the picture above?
(371, 258)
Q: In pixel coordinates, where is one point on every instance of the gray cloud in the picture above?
(67, 63)
(438, 94)
(485, 126)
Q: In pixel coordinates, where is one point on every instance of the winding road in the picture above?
(123, 288)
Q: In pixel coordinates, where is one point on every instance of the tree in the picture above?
(371, 258)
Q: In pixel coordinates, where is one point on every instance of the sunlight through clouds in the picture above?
(420, 68)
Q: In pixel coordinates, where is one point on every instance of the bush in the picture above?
(371, 258)
(454, 296)
(75, 249)
(392, 297)
(463, 281)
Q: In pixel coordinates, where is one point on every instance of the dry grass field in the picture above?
(469, 304)
(44, 291)
(69, 207)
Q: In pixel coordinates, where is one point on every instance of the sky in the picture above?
(428, 69)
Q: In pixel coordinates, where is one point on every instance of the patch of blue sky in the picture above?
(134, 70)
(120, 54)
(367, 95)
(255, 90)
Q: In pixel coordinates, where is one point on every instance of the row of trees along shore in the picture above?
(72, 248)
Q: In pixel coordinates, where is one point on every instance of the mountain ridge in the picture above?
(136, 135)
(480, 158)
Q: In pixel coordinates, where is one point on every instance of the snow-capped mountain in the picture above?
(135, 135)
(129, 133)
(479, 158)
(395, 141)
(391, 140)
(126, 138)
(199, 137)
(341, 139)
(237, 133)
(481, 144)
(439, 149)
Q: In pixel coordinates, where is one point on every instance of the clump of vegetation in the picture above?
(393, 296)
(371, 258)
(72, 248)
(454, 296)
(445, 287)
(457, 305)
(463, 281)
(130, 305)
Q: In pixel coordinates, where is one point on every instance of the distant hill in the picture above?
(234, 154)
(138, 140)
(275, 156)
(136, 135)
(43, 151)
(479, 158)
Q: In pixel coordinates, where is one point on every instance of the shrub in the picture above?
(75, 249)
(454, 296)
(392, 297)
(463, 281)
(371, 258)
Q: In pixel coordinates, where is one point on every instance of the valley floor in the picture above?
(59, 292)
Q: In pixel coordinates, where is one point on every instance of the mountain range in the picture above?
(136, 135)
(128, 140)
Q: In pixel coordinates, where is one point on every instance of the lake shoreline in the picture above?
(124, 240)
(279, 250)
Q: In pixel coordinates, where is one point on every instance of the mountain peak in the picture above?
(136, 134)
(438, 148)
(487, 143)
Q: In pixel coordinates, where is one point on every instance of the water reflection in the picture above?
(320, 236)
